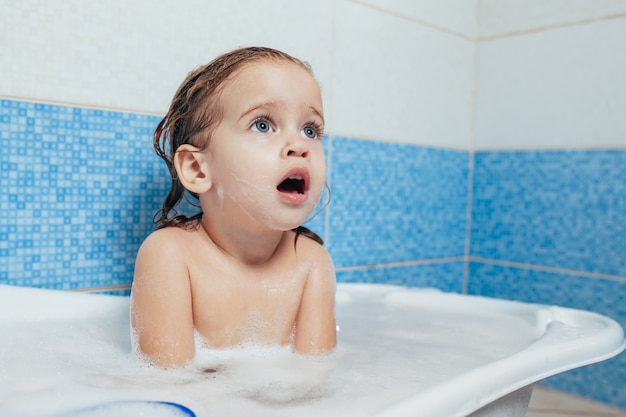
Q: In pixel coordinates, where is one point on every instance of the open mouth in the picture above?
(295, 185)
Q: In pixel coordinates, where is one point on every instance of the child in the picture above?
(243, 136)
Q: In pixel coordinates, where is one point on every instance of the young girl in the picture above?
(243, 136)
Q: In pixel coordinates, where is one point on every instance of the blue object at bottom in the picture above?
(132, 409)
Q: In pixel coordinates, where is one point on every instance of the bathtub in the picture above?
(401, 352)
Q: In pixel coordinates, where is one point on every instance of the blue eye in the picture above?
(261, 126)
(310, 132)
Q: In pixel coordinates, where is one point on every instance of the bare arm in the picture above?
(316, 328)
(161, 307)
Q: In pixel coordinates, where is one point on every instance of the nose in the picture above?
(296, 146)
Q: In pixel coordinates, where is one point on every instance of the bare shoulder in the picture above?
(315, 323)
(161, 307)
(322, 272)
(308, 250)
(163, 255)
(169, 242)
(168, 236)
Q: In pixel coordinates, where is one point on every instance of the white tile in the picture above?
(546, 402)
(399, 81)
(458, 16)
(564, 88)
(133, 55)
(502, 17)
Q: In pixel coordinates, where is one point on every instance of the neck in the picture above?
(248, 247)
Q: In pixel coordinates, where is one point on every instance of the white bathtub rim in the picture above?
(64, 304)
(603, 341)
(495, 378)
(438, 401)
(596, 345)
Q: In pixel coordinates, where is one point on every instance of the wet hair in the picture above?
(193, 115)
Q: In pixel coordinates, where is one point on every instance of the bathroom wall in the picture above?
(473, 146)
(548, 221)
(397, 97)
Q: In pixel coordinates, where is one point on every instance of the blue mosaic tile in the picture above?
(446, 276)
(564, 209)
(317, 220)
(394, 202)
(602, 296)
(79, 189)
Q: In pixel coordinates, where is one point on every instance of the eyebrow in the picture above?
(272, 103)
(257, 106)
(317, 113)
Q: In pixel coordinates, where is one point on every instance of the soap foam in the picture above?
(385, 354)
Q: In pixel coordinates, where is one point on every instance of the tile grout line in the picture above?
(401, 264)
(477, 37)
(477, 259)
(524, 32)
(81, 105)
(571, 413)
(545, 268)
(102, 289)
(471, 168)
(413, 20)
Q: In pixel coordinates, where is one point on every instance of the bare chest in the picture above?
(232, 305)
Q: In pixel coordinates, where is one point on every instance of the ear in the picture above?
(192, 167)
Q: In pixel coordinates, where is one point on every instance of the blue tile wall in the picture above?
(565, 210)
(561, 209)
(79, 189)
(605, 381)
(395, 203)
(604, 296)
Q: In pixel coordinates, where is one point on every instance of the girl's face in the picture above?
(265, 156)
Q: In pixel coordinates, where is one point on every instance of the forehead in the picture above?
(266, 78)
(269, 64)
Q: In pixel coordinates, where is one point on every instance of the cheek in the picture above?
(246, 177)
(234, 167)
(320, 167)
(318, 180)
